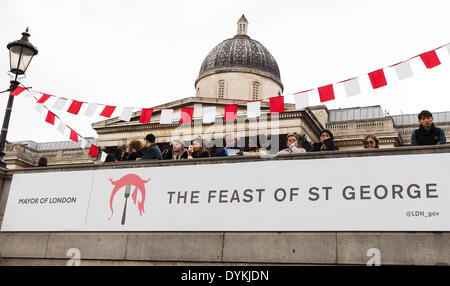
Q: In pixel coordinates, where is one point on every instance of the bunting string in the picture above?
(326, 93)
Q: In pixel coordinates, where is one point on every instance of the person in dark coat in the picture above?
(197, 149)
(177, 152)
(427, 134)
(134, 151)
(151, 152)
(231, 148)
(326, 142)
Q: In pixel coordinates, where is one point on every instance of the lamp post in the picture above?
(20, 54)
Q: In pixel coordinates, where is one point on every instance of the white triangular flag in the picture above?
(59, 103)
(61, 127)
(253, 109)
(301, 100)
(209, 114)
(352, 87)
(166, 116)
(39, 108)
(103, 158)
(90, 110)
(126, 113)
(83, 143)
(403, 70)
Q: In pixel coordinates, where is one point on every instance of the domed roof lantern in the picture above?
(242, 26)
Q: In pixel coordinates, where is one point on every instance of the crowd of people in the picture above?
(426, 134)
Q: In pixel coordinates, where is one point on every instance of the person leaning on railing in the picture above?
(134, 151)
(177, 151)
(371, 141)
(427, 134)
(291, 145)
(151, 150)
(197, 149)
(326, 142)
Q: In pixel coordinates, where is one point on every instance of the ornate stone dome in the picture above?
(240, 54)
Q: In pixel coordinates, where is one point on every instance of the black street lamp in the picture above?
(20, 54)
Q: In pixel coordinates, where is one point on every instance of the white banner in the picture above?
(385, 193)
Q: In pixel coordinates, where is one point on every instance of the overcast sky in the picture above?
(145, 53)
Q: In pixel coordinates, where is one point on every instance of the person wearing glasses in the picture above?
(371, 141)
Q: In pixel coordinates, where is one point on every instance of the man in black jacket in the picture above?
(152, 150)
(427, 134)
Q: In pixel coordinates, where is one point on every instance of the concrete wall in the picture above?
(222, 248)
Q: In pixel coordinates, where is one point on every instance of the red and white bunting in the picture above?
(126, 114)
(90, 110)
(73, 135)
(44, 98)
(230, 112)
(107, 111)
(430, 59)
(103, 157)
(61, 127)
(166, 116)
(403, 70)
(209, 114)
(326, 93)
(186, 115)
(277, 104)
(302, 99)
(253, 109)
(18, 90)
(50, 118)
(75, 107)
(39, 108)
(59, 103)
(93, 151)
(377, 78)
(352, 87)
(146, 115)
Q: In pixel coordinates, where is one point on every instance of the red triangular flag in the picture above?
(377, 78)
(50, 118)
(93, 152)
(277, 104)
(430, 59)
(43, 98)
(326, 93)
(186, 115)
(75, 107)
(146, 115)
(18, 90)
(108, 111)
(73, 135)
(230, 112)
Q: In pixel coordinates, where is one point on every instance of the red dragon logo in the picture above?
(128, 181)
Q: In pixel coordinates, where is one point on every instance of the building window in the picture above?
(221, 89)
(255, 90)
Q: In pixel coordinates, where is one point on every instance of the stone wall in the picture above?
(222, 248)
